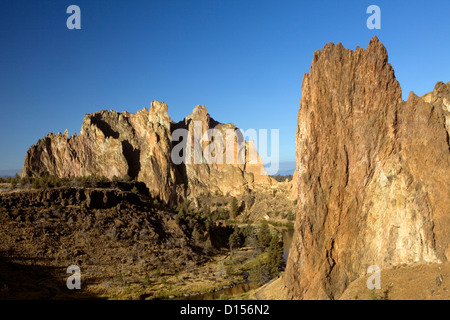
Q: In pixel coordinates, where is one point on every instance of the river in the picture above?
(287, 234)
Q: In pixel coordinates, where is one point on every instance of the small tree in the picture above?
(234, 208)
(290, 216)
(275, 255)
(15, 180)
(43, 182)
(35, 184)
(197, 236)
(208, 246)
(24, 181)
(264, 235)
(233, 240)
(258, 274)
(135, 190)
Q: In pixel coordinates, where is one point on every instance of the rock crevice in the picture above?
(372, 173)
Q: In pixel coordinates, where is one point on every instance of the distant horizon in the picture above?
(4, 173)
(285, 168)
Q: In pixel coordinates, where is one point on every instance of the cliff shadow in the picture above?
(28, 278)
(133, 158)
(181, 174)
(104, 127)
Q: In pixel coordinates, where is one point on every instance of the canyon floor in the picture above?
(126, 244)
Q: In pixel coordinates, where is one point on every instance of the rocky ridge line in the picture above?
(139, 145)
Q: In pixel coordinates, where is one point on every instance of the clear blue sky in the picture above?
(243, 59)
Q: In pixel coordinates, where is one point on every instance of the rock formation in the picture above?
(139, 145)
(372, 173)
(219, 175)
(440, 98)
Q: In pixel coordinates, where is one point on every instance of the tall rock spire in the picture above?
(372, 190)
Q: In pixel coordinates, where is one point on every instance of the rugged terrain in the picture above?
(127, 244)
(372, 173)
(115, 237)
(371, 187)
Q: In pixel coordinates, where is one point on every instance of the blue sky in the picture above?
(244, 60)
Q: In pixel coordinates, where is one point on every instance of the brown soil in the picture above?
(412, 282)
(274, 290)
(125, 246)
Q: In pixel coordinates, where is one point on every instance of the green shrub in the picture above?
(43, 183)
(103, 179)
(275, 253)
(282, 178)
(259, 274)
(196, 236)
(25, 181)
(264, 235)
(290, 216)
(35, 184)
(234, 208)
(15, 181)
(135, 190)
(234, 239)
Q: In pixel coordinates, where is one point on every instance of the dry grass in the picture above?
(412, 282)
(274, 290)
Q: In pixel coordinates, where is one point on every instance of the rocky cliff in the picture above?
(217, 174)
(140, 145)
(440, 98)
(372, 173)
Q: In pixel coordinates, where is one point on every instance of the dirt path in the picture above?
(273, 290)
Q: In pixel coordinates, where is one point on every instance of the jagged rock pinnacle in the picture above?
(372, 174)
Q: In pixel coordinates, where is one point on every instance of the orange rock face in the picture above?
(140, 145)
(372, 176)
(233, 170)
